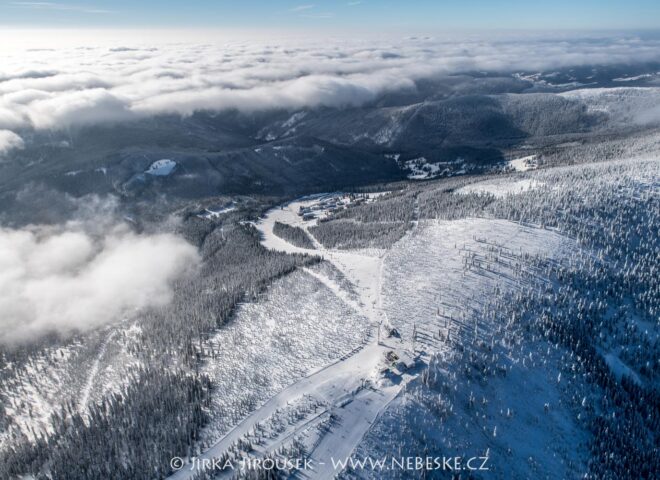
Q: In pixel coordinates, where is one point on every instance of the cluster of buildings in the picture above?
(327, 205)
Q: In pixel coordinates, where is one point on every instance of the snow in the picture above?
(623, 105)
(523, 164)
(319, 337)
(429, 266)
(317, 205)
(326, 351)
(161, 168)
(78, 372)
(632, 79)
(91, 376)
(299, 327)
(293, 119)
(521, 438)
(213, 213)
(443, 296)
(388, 133)
(501, 187)
(421, 169)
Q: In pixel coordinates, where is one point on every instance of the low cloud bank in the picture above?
(62, 280)
(69, 87)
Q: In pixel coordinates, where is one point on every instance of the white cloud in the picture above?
(82, 107)
(79, 86)
(300, 8)
(65, 280)
(8, 140)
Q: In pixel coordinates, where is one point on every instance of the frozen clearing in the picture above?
(298, 327)
(523, 164)
(161, 168)
(501, 188)
(440, 293)
(212, 213)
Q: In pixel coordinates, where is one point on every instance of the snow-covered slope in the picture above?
(624, 106)
(431, 287)
(501, 187)
(299, 326)
(451, 272)
(161, 168)
(449, 269)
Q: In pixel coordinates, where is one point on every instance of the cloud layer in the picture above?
(69, 87)
(65, 280)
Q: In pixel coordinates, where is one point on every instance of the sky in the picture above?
(335, 15)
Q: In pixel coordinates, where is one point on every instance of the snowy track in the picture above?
(91, 377)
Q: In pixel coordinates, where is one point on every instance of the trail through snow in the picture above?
(91, 376)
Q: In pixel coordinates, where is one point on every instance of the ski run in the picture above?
(393, 291)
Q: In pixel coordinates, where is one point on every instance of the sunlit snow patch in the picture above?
(523, 164)
(161, 168)
(210, 213)
(501, 188)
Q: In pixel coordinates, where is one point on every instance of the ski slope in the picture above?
(351, 388)
(421, 286)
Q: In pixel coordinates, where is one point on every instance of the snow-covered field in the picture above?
(316, 331)
(501, 187)
(161, 168)
(313, 364)
(517, 424)
(213, 213)
(438, 283)
(426, 281)
(372, 353)
(299, 326)
(523, 164)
